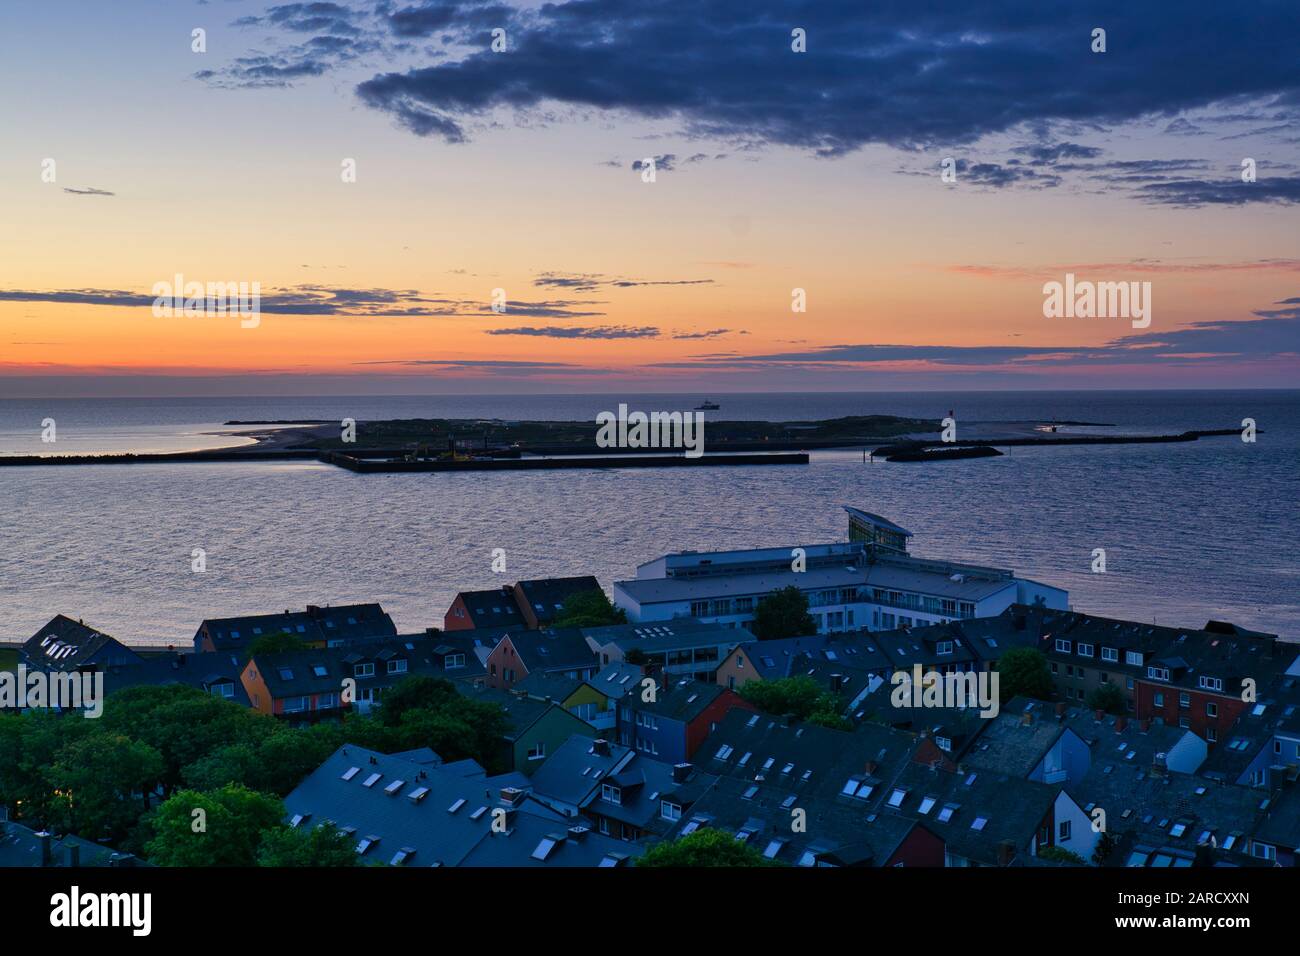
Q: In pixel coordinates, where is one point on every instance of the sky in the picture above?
(917, 171)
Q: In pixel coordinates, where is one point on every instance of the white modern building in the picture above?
(869, 582)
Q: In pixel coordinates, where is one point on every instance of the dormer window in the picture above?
(1085, 650)
(1133, 657)
(1212, 683)
(943, 647)
(1158, 673)
(397, 666)
(1062, 646)
(669, 810)
(611, 794)
(1110, 654)
(363, 670)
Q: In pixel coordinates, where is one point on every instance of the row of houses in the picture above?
(620, 736)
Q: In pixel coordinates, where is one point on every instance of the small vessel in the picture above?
(707, 406)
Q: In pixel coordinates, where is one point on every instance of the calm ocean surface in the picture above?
(1208, 529)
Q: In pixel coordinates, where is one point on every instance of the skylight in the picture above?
(979, 823)
(393, 787)
(371, 780)
(351, 772)
(460, 802)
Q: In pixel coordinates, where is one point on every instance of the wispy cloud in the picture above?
(88, 191)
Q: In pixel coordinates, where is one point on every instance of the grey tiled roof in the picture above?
(67, 645)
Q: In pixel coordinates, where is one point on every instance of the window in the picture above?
(1085, 650)
(943, 647)
(319, 670)
(1158, 673)
(611, 794)
(1063, 832)
(537, 751)
(397, 667)
(1212, 683)
(946, 813)
(1211, 709)
(1133, 657)
(896, 798)
(1063, 646)
(224, 689)
(670, 811)
(1159, 700)
(1110, 654)
(1184, 700)
(927, 804)
(453, 661)
(363, 670)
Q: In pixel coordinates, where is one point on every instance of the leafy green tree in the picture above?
(800, 697)
(100, 785)
(417, 692)
(1107, 697)
(228, 832)
(316, 847)
(783, 613)
(184, 724)
(276, 643)
(589, 609)
(705, 847)
(1023, 671)
(636, 657)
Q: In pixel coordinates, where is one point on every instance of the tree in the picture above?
(1106, 844)
(101, 785)
(228, 831)
(318, 846)
(783, 613)
(705, 847)
(589, 609)
(1023, 671)
(184, 724)
(1107, 697)
(799, 697)
(417, 692)
(277, 643)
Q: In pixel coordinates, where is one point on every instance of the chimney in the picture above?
(870, 767)
(681, 771)
(47, 857)
(1061, 707)
(511, 795)
(1006, 852)
(1098, 714)
(1121, 722)
(1159, 765)
(1144, 725)
(600, 747)
(1027, 718)
(837, 683)
(577, 833)
(74, 855)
